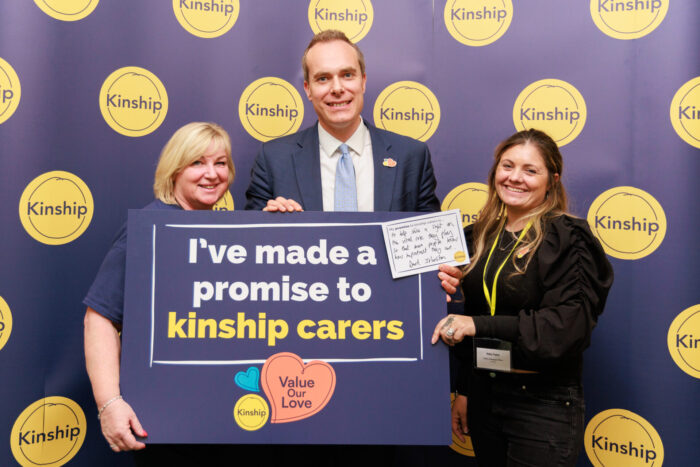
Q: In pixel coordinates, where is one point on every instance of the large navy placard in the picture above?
(262, 328)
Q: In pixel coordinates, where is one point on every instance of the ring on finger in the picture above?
(450, 332)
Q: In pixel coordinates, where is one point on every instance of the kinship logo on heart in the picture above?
(296, 390)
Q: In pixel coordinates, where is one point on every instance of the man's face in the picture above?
(336, 87)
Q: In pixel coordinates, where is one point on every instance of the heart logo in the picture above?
(249, 379)
(296, 390)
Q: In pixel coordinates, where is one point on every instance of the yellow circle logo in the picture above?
(48, 433)
(628, 19)
(353, 17)
(683, 340)
(269, 108)
(619, 437)
(464, 448)
(67, 10)
(10, 90)
(5, 323)
(225, 203)
(56, 208)
(469, 198)
(553, 106)
(629, 222)
(407, 108)
(251, 412)
(479, 22)
(685, 112)
(133, 101)
(206, 19)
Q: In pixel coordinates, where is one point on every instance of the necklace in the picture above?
(505, 245)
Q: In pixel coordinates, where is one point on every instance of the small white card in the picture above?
(493, 359)
(422, 243)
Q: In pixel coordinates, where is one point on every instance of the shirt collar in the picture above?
(330, 143)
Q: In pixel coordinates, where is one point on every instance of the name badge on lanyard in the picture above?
(492, 354)
(495, 354)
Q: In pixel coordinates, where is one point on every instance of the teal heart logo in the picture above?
(249, 379)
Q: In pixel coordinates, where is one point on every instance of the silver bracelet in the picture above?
(107, 404)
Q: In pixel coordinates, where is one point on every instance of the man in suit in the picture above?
(298, 172)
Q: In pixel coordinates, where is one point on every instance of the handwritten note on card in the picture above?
(422, 243)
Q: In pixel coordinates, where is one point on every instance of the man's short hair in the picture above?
(330, 35)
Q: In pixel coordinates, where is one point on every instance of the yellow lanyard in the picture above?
(491, 298)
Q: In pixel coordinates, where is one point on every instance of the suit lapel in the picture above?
(383, 176)
(307, 166)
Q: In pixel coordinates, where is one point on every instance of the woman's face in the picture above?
(204, 181)
(522, 179)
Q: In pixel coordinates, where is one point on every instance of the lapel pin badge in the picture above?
(389, 162)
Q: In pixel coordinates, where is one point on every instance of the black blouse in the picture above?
(549, 312)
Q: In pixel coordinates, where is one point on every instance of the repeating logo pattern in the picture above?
(133, 101)
(617, 437)
(478, 22)
(353, 17)
(207, 19)
(685, 112)
(684, 340)
(408, 108)
(269, 108)
(56, 208)
(10, 90)
(5, 323)
(628, 19)
(553, 106)
(469, 198)
(67, 10)
(629, 222)
(48, 433)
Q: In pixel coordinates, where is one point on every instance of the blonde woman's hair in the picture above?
(188, 144)
(492, 218)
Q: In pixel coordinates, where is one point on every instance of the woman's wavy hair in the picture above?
(492, 217)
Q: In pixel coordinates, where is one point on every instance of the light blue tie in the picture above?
(345, 190)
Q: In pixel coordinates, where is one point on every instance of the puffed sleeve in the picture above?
(575, 276)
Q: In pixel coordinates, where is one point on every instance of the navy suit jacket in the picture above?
(291, 167)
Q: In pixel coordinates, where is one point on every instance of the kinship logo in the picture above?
(353, 17)
(48, 433)
(629, 222)
(133, 101)
(251, 412)
(628, 19)
(5, 323)
(478, 22)
(469, 198)
(206, 18)
(225, 203)
(553, 106)
(685, 112)
(10, 90)
(67, 10)
(619, 437)
(269, 108)
(684, 340)
(56, 208)
(407, 108)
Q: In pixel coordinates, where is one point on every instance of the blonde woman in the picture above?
(194, 171)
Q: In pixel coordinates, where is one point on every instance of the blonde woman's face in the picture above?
(202, 183)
